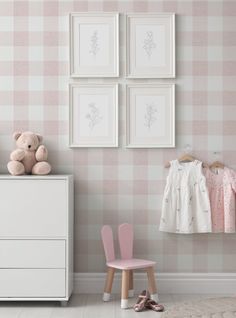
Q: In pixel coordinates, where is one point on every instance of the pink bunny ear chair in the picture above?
(127, 264)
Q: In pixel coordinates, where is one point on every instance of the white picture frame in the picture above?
(150, 116)
(93, 117)
(94, 44)
(150, 45)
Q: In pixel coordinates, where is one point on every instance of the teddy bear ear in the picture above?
(16, 135)
(40, 138)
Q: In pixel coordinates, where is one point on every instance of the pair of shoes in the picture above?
(144, 302)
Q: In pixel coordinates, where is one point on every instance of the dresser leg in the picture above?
(64, 303)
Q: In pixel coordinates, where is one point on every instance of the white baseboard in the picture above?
(167, 283)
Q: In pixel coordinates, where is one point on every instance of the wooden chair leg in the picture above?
(108, 284)
(124, 289)
(152, 284)
(131, 283)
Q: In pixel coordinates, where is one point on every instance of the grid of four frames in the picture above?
(94, 54)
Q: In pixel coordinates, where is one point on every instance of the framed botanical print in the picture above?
(93, 115)
(150, 45)
(150, 116)
(94, 44)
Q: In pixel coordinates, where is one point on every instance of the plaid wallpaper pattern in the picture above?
(124, 185)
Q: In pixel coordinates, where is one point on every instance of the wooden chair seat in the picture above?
(132, 263)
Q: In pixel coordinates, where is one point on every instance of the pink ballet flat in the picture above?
(142, 300)
(153, 305)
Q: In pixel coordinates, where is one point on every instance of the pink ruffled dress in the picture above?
(222, 188)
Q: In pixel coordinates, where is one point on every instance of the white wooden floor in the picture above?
(86, 306)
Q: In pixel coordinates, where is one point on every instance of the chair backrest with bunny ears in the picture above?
(108, 243)
(126, 238)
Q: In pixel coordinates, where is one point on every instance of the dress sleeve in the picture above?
(232, 179)
(229, 201)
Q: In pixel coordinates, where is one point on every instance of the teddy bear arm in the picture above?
(17, 155)
(41, 153)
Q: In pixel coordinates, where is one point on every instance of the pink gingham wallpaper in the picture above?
(123, 185)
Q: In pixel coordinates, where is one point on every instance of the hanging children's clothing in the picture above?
(222, 188)
(186, 205)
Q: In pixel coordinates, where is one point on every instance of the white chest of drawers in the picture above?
(36, 237)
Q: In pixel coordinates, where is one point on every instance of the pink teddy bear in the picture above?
(30, 157)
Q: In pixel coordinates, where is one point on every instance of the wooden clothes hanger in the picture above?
(184, 158)
(217, 165)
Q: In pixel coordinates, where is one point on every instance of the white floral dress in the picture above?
(186, 205)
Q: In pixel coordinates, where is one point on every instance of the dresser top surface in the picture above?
(36, 177)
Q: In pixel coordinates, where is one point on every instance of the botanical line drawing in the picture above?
(150, 115)
(94, 46)
(94, 117)
(148, 44)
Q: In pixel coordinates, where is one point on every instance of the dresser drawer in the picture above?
(33, 207)
(32, 283)
(32, 254)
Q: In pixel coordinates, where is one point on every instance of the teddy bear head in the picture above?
(27, 140)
